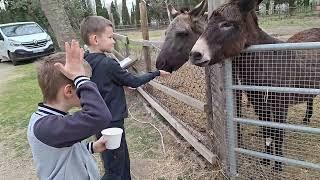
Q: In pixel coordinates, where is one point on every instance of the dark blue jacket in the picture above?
(110, 79)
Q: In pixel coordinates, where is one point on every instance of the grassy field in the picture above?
(19, 98)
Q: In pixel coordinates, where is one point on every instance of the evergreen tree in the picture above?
(137, 10)
(125, 14)
(115, 14)
(105, 13)
(99, 8)
(133, 15)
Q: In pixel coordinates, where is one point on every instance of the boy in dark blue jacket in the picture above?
(97, 33)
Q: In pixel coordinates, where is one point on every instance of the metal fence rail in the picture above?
(268, 134)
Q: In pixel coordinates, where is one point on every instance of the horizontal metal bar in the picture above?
(286, 126)
(277, 89)
(284, 46)
(280, 159)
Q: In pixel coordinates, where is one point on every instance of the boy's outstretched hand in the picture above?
(74, 61)
(164, 73)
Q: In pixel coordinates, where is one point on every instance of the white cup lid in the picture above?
(112, 131)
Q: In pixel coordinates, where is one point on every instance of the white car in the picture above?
(23, 40)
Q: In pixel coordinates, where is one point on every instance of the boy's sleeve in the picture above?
(124, 78)
(64, 131)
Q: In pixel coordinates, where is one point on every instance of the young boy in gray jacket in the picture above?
(54, 135)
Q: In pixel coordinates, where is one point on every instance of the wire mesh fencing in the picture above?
(273, 131)
(188, 80)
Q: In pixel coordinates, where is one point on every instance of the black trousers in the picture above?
(116, 162)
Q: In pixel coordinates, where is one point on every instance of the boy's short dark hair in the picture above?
(93, 25)
(50, 79)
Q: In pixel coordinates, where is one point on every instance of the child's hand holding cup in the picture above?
(113, 137)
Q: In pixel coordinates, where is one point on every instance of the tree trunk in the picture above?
(92, 6)
(291, 7)
(268, 8)
(58, 20)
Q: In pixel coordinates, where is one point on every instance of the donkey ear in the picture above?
(173, 11)
(200, 9)
(247, 5)
(259, 2)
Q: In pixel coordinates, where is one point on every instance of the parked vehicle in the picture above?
(24, 40)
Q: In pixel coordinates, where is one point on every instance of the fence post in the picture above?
(216, 113)
(127, 47)
(230, 124)
(145, 34)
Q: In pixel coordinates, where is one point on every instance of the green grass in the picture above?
(269, 22)
(19, 99)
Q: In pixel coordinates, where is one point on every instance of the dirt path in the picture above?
(6, 69)
(15, 168)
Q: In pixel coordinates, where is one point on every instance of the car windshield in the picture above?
(21, 29)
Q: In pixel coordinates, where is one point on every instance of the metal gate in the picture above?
(271, 92)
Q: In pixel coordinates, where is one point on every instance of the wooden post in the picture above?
(145, 34)
(127, 47)
(216, 114)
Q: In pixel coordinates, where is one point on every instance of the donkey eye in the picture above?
(225, 25)
(182, 34)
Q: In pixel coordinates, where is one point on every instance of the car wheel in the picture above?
(14, 62)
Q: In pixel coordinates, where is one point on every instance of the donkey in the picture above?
(233, 27)
(180, 36)
(186, 28)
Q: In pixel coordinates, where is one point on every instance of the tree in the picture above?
(137, 9)
(99, 8)
(115, 14)
(105, 13)
(133, 15)
(59, 21)
(92, 7)
(125, 14)
(86, 9)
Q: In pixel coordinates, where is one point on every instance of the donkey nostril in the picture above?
(196, 55)
(160, 64)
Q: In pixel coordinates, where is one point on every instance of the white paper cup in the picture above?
(113, 137)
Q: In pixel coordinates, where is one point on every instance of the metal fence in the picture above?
(272, 132)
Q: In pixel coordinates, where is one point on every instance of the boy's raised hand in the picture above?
(74, 61)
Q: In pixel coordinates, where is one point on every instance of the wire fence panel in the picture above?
(188, 80)
(275, 125)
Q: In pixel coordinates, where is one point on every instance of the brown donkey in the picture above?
(233, 27)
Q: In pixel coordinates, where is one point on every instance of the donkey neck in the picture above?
(265, 38)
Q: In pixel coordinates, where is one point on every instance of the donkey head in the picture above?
(231, 28)
(181, 35)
